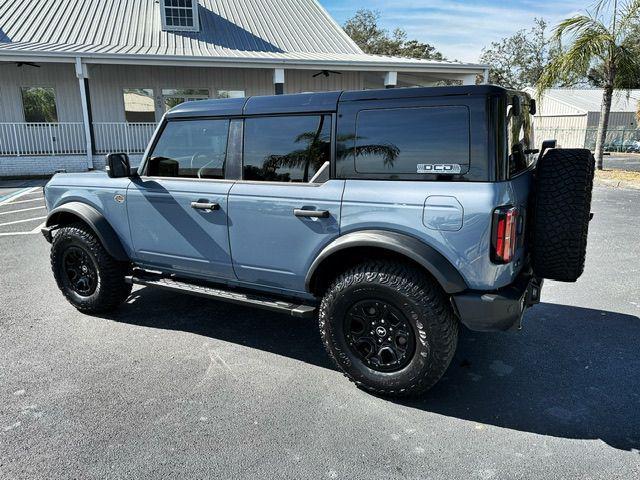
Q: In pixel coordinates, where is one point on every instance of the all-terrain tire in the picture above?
(109, 289)
(564, 181)
(422, 303)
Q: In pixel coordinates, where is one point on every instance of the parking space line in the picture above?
(24, 201)
(22, 221)
(9, 234)
(38, 228)
(20, 193)
(22, 210)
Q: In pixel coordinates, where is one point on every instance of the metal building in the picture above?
(571, 116)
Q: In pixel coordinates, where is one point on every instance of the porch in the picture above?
(58, 115)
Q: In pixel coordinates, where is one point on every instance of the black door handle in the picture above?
(200, 205)
(300, 212)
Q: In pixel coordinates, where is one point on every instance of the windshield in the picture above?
(520, 134)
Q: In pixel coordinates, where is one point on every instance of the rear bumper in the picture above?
(501, 309)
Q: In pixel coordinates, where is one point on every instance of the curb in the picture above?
(605, 182)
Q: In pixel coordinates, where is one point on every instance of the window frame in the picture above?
(479, 142)
(55, 102)
(244, 93)
(180, 28)
(421, 107)
(233, 168)
(124, 103)
(185, 97)
(229, 154)
(332, 146)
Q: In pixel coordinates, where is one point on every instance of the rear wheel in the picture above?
(388, 327)
(91, 279)
(564, 180)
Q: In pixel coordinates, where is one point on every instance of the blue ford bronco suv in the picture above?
(393, 215)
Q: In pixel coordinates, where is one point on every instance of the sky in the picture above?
(459, 28)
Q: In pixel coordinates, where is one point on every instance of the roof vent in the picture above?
(179, 15)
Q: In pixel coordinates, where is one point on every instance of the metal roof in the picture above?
(590, 100)
(238, 31)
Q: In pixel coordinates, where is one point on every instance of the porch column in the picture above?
(390, 79)
(278, 80)
(485, 76)
(83, 75)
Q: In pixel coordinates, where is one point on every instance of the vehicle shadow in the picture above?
(571, 372)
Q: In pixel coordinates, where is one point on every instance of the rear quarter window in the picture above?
(404, 140)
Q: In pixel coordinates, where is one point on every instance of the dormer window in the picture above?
(179, 15)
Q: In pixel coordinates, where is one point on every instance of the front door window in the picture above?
(190, 148)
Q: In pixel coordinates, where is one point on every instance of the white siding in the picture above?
(107, 82)
(60, 76)
(297, 81)
(548, 106)
(569, 131)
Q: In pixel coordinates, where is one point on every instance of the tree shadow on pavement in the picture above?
(571, 372)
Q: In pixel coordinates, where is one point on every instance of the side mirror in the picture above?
(532, 106)
(118, 165)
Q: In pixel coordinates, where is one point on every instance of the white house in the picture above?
(571, 116)
(79, 78)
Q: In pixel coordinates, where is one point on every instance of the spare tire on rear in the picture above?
(564, 180)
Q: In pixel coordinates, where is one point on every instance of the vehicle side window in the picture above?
(286, 149)
(520, 138)
(190, 149)
(411, 140)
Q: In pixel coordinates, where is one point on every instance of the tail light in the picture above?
(504, 234)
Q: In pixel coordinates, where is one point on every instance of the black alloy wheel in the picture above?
(379, 335)
(91, 279)
(80, 271)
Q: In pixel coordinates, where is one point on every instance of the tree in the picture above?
(39, 104)
(315, 149)
(519, 60)
(364, 29)
(625, 80)
(605, 37)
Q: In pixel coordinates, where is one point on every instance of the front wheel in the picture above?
(389, 328)
(91, 279)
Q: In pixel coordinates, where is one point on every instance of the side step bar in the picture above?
(259, 301)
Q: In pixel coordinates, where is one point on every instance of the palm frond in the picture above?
(629, 16)
(577, 24)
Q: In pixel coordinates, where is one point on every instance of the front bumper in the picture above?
(501, 309)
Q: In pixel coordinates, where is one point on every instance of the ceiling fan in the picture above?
(19, 64)
(326, 73)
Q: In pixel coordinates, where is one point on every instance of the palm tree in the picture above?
(604, 36)
(317, 149)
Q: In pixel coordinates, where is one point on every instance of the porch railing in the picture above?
(42, 138)
(67, 138)
(125, 137)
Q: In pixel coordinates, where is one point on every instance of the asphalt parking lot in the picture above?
(22, 209)
(173, 386)
(626, 161)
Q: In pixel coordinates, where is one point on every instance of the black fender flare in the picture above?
(94, 219)
(428, 257)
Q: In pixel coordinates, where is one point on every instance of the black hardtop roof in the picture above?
(315, 102)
